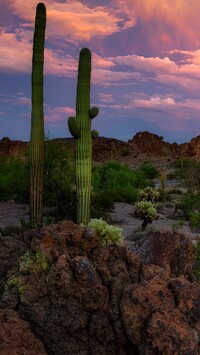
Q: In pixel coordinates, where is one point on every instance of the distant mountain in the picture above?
(146, 143)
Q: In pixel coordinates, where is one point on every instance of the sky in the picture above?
(145, 66)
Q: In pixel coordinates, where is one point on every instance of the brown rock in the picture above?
(169, 333)
(167, 248)
(16, 337)
(139, 302)
(13, 148)
(187, 296)
(81, 298)
(153, 145)
(10, 250)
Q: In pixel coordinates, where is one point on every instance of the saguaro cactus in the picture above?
(37, 120)
(80, 128)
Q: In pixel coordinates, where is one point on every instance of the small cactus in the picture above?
(80, 128)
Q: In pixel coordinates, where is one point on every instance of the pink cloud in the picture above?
(155, 102)
(57, 115)
(148, 64)
(186, 75)
(16, 52)
(166, 24)
(106, 98)
(105, 77)
(99, 62)
(74, 19)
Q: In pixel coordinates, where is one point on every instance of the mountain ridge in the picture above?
(143, 142)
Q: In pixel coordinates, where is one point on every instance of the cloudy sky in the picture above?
(145, 66)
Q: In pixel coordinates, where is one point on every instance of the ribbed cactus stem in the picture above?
(84, 143)
(37, 120)
(80, 128)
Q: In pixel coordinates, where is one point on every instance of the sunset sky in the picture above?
(145, 66)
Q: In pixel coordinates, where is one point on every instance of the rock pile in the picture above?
(68, 295)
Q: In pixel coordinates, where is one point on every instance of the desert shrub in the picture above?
(14, 179)
(149, 170)
(11, 231)
(189, 171)
(175, 191)
(106, 232)
(59, 181)
(171, 176)
(116, 179)
(188, 204)
(114, 182)
(194, 220)
(125, 152)
(177, 225)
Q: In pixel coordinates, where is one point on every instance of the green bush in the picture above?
(189, 171)
(149, 170)
(14, 179)
(125, 152)
(114, 182)
(106, 232)
(188, 204)
(194, 220)
(59, 181)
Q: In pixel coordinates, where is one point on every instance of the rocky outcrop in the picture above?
(16, 336)
(153, 145)
(12, 148)
(191, 149)
(109, 149)
(82, 298)
(172, 249)
(10, 250)
(145, 142)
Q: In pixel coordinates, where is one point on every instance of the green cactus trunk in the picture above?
(84, 143)
(37, 120)
(80, 128)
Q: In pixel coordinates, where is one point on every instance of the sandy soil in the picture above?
(122, 215)
(13, 214)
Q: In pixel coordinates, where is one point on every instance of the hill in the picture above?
(143, 146)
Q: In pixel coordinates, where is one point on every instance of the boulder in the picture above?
(168, 248)
(16, 336)
(81, 298)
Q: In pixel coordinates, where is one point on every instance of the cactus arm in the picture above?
(93, 112)
(74, 127)
(37, 119)
(94, 134)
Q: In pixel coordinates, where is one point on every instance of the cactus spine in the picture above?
(80, 128)
(37, 119)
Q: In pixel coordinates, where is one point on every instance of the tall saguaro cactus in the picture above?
(37, 120)
(80, 128)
